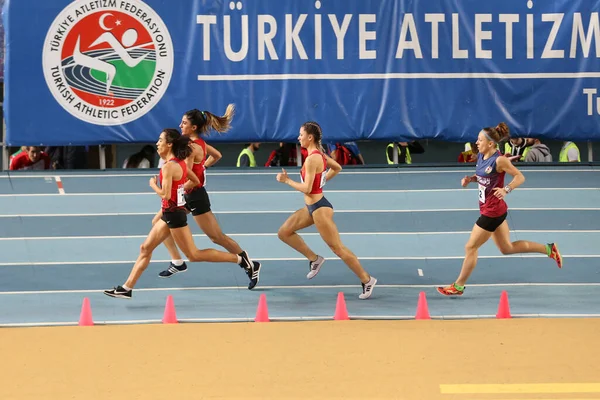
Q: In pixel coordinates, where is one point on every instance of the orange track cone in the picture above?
(170, 316)
(422, 309)
(262, 311)
(503, 306)
(85, 318)
(341, 312)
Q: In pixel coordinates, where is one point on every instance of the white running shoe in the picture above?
(315, 267)
(368, 288)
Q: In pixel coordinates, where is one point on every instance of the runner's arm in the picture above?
(214, 156)
(310, 166)
(334, 168)
(165, 190)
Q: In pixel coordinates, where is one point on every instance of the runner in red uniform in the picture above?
(491, 168)
(318, 210)
(175, 148)
(193, 124)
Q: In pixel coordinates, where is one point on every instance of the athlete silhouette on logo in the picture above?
(128, 38)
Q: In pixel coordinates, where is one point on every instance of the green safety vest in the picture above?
(250, 156)
(391, 161)
(563, 156)
(508, 149)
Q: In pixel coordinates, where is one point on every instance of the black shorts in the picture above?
(197, 201)
(490, 224)
(321, 203)
(175, 219)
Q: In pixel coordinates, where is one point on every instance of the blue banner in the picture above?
(2, 42)
(113, 71)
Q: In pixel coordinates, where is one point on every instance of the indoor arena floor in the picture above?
(65, 236)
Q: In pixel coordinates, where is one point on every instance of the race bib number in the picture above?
(323, 178)
(180, 196)
(481, 193)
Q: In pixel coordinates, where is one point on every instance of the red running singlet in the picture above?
(198, 168)
(319, 182)
(177, 201)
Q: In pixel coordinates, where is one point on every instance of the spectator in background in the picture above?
(21, 149)
(538, 152)
(517, 148)
(33, 158)
(246, 157)
(569, 153)
(346, 153)
(404, 151)
(142, 159)
(470, 154)
(285, 155)
(67, 157)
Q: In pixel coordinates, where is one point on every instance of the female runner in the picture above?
(318, 210)
(174, 148)
(489, 174)
(194, 123)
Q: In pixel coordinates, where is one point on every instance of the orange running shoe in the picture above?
(554, 254)
(450, 290)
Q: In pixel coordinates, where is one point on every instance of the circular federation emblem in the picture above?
(108, 62)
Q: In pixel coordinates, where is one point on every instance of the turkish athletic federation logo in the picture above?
(108, 62)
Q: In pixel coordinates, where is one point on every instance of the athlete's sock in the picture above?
(241, 261)
(549, 249)
(177, 263)
(459, 288)
(247, 255)
(126, 287)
